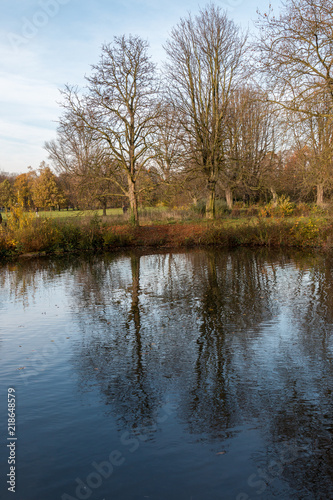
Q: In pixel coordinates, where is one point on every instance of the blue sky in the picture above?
(45, 44)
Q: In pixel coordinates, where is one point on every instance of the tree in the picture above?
(46, 192)
(23, 189)
(250, 132)
(85, 162)
(296, 56)
(119, 109)
(295, 53)
(314, 146)
(171, 152)
(7, 196)
(204, 66)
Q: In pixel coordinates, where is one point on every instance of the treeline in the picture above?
(228, 116)
(43, 189)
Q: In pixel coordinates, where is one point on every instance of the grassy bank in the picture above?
(25, 233)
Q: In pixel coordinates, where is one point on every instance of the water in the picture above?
(185, 376)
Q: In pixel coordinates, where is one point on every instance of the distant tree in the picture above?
(23, 189)
(85, 163)
(3, 176)
(46, 192)
(205, 56)
(7, 196)
(250, 142)
(171, 152)
(314, 145)
(295, 54)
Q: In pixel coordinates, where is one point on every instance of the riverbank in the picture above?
(33, 236)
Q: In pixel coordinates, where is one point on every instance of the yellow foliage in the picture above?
(18, 218)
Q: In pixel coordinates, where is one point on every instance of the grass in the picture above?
(117, 213)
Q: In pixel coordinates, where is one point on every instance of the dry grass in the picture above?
(25, 233)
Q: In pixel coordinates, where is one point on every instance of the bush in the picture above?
(221, 207)
(284, 207)
(199, 208)
(302, 209)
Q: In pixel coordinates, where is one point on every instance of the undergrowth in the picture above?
(25, 233)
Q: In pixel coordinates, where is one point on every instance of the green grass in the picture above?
(110, 212)
(64, 214)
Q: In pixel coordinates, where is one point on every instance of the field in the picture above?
(81, 214)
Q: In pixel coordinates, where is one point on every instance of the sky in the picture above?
(46, 44)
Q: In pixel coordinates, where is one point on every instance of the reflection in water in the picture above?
(231, 339)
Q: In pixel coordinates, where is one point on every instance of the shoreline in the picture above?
(60, 239)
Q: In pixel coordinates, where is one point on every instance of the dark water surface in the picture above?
(185, 376)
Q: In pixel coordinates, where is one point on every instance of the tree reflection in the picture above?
(234, 337)
(235, 299)
(113, 354)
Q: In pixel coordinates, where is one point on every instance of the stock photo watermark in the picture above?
(130, 441)
(30, 26)
(11, 439)
(264, 477)
(40, 360)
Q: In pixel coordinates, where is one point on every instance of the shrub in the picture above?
(221, 207)
(284, 207)
(306, 231)
(302, 209)
(199, 208)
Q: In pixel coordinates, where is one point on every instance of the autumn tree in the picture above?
(23, 189)
(92, 173)
(46, 193)
(4, 176)
(119, 109)
(7, 196)
(68, 187)
(205, 55)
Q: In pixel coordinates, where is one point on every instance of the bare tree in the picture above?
(170, 146)
(314, 146)
(250, 143)
(204, 65)
(119, 109)
(296, 53)
(94, 174)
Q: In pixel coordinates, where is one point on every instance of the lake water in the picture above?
(187, 376)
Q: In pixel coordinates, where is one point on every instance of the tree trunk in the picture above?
(275, 198)
(320, 195)
(104, 208)
(210, 205)
(133, 202)
(229, 198)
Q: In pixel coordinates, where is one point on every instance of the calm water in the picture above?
(185, 376)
